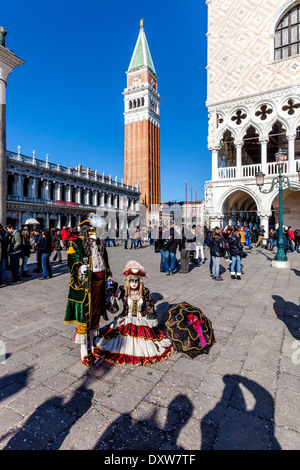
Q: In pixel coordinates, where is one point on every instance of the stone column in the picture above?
(34, 188)
(8, 61)
(58, 191)
(46, 190)
(214, 162)
(20, 185)
(238, 148)
(102, 196)
(263, 158)
(264, 220)
(78, 195)
(291, 153)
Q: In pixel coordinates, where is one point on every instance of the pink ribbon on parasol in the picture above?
(196, 324)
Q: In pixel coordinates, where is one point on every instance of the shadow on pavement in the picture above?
(289, 314)
(13, 383)
(52, 421)
(242, 429)
(127, 433)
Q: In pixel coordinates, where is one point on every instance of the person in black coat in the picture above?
(235, 247)
(4, 242)
(57, 245)
(217, 251)
(45, 248)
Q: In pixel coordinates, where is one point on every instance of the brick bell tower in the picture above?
(142, 122)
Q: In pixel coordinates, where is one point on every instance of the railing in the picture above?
(89, 174)
(227, 172)
(250, 170)
(272, 168)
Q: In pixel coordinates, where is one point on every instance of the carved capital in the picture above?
(5, 71)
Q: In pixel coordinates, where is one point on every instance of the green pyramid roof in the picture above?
(141, 55)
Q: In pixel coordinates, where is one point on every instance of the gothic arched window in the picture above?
(287, 35)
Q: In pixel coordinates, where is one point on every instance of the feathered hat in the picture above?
(133, 267)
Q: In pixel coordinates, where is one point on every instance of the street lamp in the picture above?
(280, 181)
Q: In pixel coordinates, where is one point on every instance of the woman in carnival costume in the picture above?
(134, 337)
(90, 271)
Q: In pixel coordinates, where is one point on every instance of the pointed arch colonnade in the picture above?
(245, 140)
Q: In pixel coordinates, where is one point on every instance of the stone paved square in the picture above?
(244, 394)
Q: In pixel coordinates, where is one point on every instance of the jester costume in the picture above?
(134, 337)
(87, 293)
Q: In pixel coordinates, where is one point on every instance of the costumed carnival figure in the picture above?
(134, 336)
(90, 272)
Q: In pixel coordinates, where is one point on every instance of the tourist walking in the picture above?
(14, 253)
(271, 239)
(261, 235)
(217, 251)
(291, 239)
(138, 237)
(37, 240)
(25, 251)
(186, 246)
(65, 234)
(4, 242)
(45, 249)
(57, 245)
(250, 238)
(199, 243)
(297, 239)
(235, 248)
(132, 233)
(170, 242)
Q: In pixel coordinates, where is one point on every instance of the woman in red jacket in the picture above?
(65, 234)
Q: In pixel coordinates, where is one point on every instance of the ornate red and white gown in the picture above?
(134, 338)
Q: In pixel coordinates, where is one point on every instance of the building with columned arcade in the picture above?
(55, 195)
(253, 100)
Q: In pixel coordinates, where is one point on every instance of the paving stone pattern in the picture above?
(244, 394)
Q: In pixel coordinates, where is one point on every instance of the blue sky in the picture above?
(66, 100)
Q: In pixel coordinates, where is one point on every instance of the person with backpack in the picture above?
(186, 247)
(14, 253)
(217, 251)
(169, 246)
(235, 249)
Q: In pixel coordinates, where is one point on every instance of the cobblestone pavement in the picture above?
(244, 394)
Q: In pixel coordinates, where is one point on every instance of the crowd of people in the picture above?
(231, 243)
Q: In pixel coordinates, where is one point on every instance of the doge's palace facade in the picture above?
(253, 101)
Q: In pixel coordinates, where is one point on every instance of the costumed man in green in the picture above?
(90, 275)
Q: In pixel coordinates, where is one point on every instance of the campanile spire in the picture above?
(142, 123)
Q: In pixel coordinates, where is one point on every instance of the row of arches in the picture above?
(251, 145)
(242, 207)
(136, 103)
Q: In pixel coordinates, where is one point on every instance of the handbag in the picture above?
(166, 243)
(243, 254)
